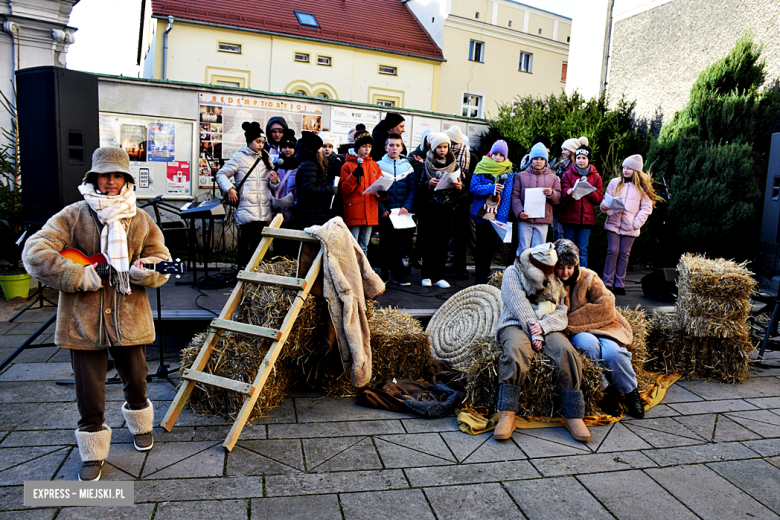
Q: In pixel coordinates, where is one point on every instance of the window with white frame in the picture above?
(385, 103)
(307, 19)
(472, 105)
(235, 48)
(301, 57)
(324, 61)
(388, 70)
(477, 51)
(224, 83)
(526, 62)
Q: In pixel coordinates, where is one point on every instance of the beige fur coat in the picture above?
(592, 309)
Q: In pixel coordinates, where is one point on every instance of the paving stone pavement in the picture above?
(708, 451)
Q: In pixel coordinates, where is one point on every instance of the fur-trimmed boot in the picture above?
(140, 423)
(508, 402)
(93, 449)
(573, 408)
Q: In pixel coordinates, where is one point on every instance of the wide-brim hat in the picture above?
(109, 159)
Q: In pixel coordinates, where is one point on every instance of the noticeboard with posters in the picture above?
(344, 119)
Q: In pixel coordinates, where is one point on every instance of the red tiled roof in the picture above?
(386, 25)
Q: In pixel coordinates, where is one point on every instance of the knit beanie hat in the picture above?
(251, 130)
(392, 120)
(572, 144)
(568, 252)
(541, 139)
(583, 150)
(501, 147)
(327, 138)
(288, 139)
(363, 138)
(538, 150)
(310, 141)
(635, 162)
(544, 257)
(437, 138)
(455, 134)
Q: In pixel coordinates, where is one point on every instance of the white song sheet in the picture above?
(446, 180)
(614, 203)
(535, 202)
(504, 230)
(381, 184)
(404, 221)
(582, 188)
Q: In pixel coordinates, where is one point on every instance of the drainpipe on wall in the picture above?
(13, 30)
(165, 48)
(607, 48)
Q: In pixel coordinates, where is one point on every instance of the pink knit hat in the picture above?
(635, 162)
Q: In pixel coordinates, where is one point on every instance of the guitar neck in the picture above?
(106, 269)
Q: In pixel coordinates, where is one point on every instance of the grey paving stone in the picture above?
(29, 328)
(297, 508)
(750, 388)
(188, 417)
(535, 447)
(765, 416)
(496, 451)
(5, 326)
(219, 433)
(728, 405)
(462, 445)
(167, 453)
(727, 430)
(430, 443)
(12, 498)
(597, 436)
(759, 422)
(62, 355)
(282, 414)
(669, 425)
(621, 438)
(44, 467)
(593, 463)
(476, 501)
(155, 391)
(340, 482)
(765, 447)
(407, 503)
(39, 438)
(395, 456)
(757, 478)
(288, 452)
(707, 494)
(571, 500)
(137, 512)
(330, 409)
(660, 410)
(359, 456)
(618, 492)
(221, 509)
(678, 394)
(38, 372)
(11, 457)
(29, 355)
(245, 462)
(765, 403)
(701, 425)
(45, 391)
(35, 314)
(558, 435)
(470, 473)
(186, 488)
(70, 470)
(206, 463)
(45, 416)
(31, 514)
(127, 458)
(445, 424)
(301, 431)
(660, 439)
(700, 453)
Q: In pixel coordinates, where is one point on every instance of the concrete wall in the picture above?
(658, 53)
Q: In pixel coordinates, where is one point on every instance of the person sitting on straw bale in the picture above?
(521, 333)
(599, 330)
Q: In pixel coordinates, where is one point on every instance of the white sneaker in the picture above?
(426, 282)
(443, 284)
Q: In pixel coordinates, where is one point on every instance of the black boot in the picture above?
(633, 404)
(609, 403)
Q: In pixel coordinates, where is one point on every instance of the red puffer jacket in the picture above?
(580, 212)
(359, 209)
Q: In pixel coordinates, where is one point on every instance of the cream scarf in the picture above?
(112, 212)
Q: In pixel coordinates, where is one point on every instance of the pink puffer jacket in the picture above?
(638, 209)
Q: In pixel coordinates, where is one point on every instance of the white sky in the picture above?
(107, 36)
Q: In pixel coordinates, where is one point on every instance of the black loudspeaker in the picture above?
(661, 285)
(57, 111)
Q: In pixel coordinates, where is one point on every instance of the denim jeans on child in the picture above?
(610, 355)
(362, 235)
(530, 235)
(580, 236)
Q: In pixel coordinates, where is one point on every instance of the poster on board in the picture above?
(178, 177)
(132, 139)
(144, 178)
(161, 142)
(418, 127)
(344, 119)
(221, 117)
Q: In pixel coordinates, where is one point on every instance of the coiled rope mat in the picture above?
(467, 315)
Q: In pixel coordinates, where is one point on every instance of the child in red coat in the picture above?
(578, 216)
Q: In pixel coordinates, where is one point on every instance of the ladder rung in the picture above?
(245, 328)
(271, 279)
(290, 234)
(212, 380)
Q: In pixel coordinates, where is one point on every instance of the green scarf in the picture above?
(488, 166)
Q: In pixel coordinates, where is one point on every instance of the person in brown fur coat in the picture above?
(597, 328)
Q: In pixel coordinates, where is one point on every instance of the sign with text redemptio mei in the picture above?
(73, 493)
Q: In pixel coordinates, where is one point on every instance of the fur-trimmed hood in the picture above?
(536, 285)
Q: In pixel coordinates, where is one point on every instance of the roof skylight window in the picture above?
(307, 19)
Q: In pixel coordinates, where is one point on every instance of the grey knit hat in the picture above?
(568, 252)
(109, 159)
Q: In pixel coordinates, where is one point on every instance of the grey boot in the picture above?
(509, 398)
(93, 449)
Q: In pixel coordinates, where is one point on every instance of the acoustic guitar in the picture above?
(103, 268)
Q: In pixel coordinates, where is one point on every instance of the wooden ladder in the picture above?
(195, 374)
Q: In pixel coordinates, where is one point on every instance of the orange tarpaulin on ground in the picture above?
(471, 421)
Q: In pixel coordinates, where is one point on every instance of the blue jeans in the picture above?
(362, 235)
(530, 235)
(611, 356)
(580, 236)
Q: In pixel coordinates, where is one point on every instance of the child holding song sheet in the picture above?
(582, 191)
(536, 181)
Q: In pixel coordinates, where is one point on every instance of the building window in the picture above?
(526, 62)
(472, 105)
(540, 31)
(385, 103)
(477, 15)
(235, 48)
(564, 69)
(223, 83)
(568, 39)
(324, 61)
(306, 19)
(322, 95)
(300, 92)
(388, 70)
(510, 23)
(301, 57)
(477, 51)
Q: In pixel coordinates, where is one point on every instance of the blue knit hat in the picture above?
(538, 150)
(501, 147)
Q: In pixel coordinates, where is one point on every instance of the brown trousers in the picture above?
(515, 361)
(89, 371)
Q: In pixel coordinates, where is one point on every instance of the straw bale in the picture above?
(400, 349)
(717, 278)
(496, 278)
(637, 318)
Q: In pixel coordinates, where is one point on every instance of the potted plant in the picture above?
(14, 280)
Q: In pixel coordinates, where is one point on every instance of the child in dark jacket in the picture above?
(579, 216)
(491, 178)
(401, 196)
